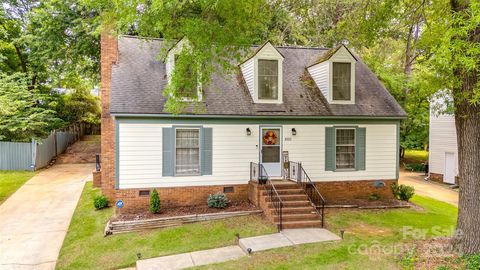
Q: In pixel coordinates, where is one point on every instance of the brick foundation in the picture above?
(438, 177)
(336, 192)
(97, 179)
(177, 196)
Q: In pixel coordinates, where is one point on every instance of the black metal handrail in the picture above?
(259, 174)
(298, 173)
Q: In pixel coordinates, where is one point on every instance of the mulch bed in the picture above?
(434, 253)
(186, 210)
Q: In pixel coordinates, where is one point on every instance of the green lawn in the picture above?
(10, 181)
(86, 248)
(374, 232)
(415, 156)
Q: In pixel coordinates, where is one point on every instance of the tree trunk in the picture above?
(467, 120)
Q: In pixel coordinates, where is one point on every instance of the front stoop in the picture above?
(298, 211)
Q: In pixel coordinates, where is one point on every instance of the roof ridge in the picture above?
(140, 37)
(280, 46)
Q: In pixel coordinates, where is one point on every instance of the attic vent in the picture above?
(228, 190)
(144, 193)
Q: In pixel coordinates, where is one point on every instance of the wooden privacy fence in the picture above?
(38, 154)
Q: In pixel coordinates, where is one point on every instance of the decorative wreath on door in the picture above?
(270, 138)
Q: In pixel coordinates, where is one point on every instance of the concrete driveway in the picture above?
(35, 219)
(428, 188)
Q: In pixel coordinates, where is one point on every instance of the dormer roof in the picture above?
(267, 44)
(328, 54)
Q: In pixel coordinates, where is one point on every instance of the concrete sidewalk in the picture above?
(35, 219)
(251, 244)
(428, 188)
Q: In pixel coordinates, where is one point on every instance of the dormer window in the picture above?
(334, 75)
(341, 81)
(267, 79)
(263, 74)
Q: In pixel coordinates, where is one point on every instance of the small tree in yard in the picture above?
(154, 202)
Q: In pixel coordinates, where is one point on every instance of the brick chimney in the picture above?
(108, 57)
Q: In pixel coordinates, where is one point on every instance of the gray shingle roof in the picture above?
(138, 79)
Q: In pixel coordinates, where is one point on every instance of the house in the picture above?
(443, 151)
(319, 107)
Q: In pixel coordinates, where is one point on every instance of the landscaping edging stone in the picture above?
(115, 227)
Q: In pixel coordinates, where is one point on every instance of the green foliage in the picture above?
(217, 33)
(154, 202)
(10, 181)
(218, 200)
(415, 167)
(100, 202)
(85, 246)
(79, 105)
(472, 262)
(373, 197)
(409, 259)
(24, 113)
(47, 45)
(403, 192)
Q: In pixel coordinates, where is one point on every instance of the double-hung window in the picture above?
(345, 148)
(341, 81)
(267, 79)
(187, 151)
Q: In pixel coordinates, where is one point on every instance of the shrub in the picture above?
(218, 200)
(415, 167)
(403, 192)
(374, 197)
(154, 202)
(100, 202)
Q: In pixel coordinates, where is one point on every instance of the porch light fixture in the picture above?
(249, 132)
(294, 131)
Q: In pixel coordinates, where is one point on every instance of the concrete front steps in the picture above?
(297, 211)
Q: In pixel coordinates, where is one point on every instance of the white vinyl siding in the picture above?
(248, 75)
(140, 154)
(308, 146)
(443, 139)
(320, 74)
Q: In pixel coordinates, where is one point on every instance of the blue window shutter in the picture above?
(168, 151)
(206, 146)
(329, 149)
(360, 134)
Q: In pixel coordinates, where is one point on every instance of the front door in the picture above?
(271, 149)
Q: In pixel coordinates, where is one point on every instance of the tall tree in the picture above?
(464, 43)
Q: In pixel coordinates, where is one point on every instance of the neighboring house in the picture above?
(323, 107)
(443, 152)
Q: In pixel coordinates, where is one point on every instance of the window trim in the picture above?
(352, 82)
(258, 79)
(175, 128)
(354, 149)
(342, 100)
(279, 99)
